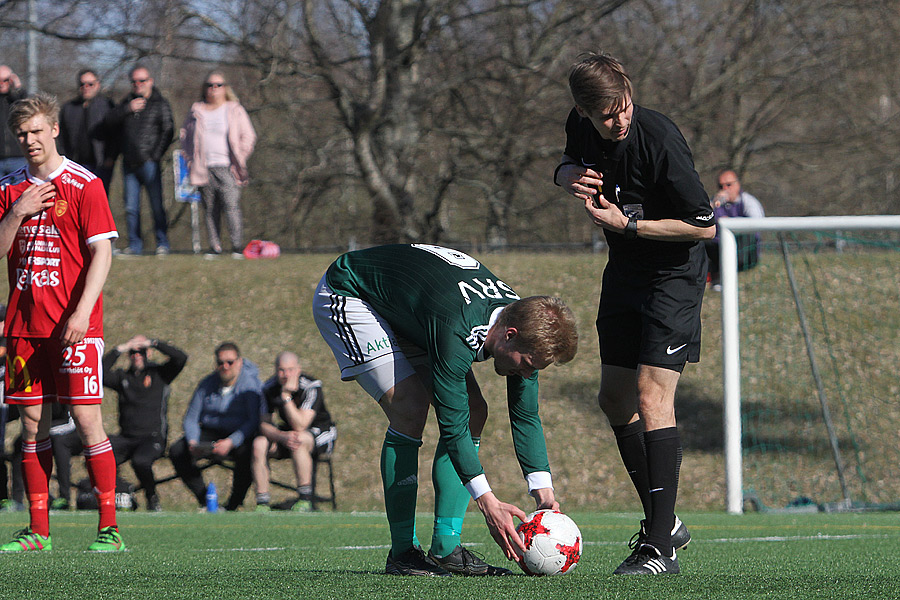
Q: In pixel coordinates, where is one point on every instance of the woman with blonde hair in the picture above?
(217, 139)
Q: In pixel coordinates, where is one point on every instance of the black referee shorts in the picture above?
(652, 316)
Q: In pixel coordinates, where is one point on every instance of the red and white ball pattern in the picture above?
(552, 543)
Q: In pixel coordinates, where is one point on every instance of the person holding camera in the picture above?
(143, 389)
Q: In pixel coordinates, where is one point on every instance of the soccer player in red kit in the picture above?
(56, 230)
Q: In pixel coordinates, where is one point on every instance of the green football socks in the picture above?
(399, 475)
(451, 501)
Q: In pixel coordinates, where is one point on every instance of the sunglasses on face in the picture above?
(215, 85)
(226, 362)
(88, 83)
(136, 81)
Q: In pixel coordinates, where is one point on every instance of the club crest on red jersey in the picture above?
(61, 207)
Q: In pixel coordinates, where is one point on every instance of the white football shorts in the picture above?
(363, 343)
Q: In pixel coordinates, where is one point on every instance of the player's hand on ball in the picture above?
(499, 518)
(545, 499)
(553, 543)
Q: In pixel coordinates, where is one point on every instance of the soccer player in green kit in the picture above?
(406, 322)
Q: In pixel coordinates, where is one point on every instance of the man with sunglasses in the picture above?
(220, 423)
(143, 390)
(11, 89)
(145, 129)
(81, 135)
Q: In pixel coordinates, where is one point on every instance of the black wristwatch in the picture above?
(631, 228)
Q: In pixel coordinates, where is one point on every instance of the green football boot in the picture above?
(108, 540)
(27, 540)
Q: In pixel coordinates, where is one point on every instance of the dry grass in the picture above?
(265, 306)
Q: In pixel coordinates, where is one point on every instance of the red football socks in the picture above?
(101, 467)
(37, 465)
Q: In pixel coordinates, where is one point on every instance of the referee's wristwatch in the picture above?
(631, 228)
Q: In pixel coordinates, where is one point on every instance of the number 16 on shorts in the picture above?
(43, 368)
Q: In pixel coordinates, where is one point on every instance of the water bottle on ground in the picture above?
(212, 498)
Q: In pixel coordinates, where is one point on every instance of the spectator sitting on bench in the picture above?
(220, 422)
(732, 201)
(306, 429)
(143, 390)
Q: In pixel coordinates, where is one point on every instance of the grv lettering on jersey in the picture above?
(488, 289)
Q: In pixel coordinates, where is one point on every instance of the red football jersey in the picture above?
(47, 263)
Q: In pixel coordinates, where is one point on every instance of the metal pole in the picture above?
(195, 227)
(814, 367)
(731, 364)
(32, 85)
(731, 369)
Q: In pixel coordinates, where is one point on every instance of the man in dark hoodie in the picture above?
(81, 134)
(143, 390)
(143, 122)
(220, 423)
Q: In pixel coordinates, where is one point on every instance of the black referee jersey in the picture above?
(650, 172)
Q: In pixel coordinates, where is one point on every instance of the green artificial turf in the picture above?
(341, 555)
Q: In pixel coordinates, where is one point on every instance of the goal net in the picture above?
(811, 365)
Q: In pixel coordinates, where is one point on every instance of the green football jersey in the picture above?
(443, 301)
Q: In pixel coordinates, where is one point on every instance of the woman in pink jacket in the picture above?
(217, 139)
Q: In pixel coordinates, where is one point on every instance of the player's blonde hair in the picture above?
(546, 327)
(599, 83)
(39, 104)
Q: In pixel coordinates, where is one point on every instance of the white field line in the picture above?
(734, 540)
(772, 538)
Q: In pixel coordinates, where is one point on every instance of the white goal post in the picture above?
(731, 365)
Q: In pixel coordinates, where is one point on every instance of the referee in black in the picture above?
(634, 171)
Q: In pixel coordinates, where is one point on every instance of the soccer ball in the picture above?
(552, 543)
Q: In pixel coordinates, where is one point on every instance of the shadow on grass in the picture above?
(701, 424)
(699, 414)
(700, 418)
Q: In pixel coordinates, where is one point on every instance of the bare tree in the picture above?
(440, 120)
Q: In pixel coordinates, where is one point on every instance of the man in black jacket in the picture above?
(143, 390)
(81, 134)
(143, 121)
(10, 152)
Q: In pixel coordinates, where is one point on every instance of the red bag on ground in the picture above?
(262, 249)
